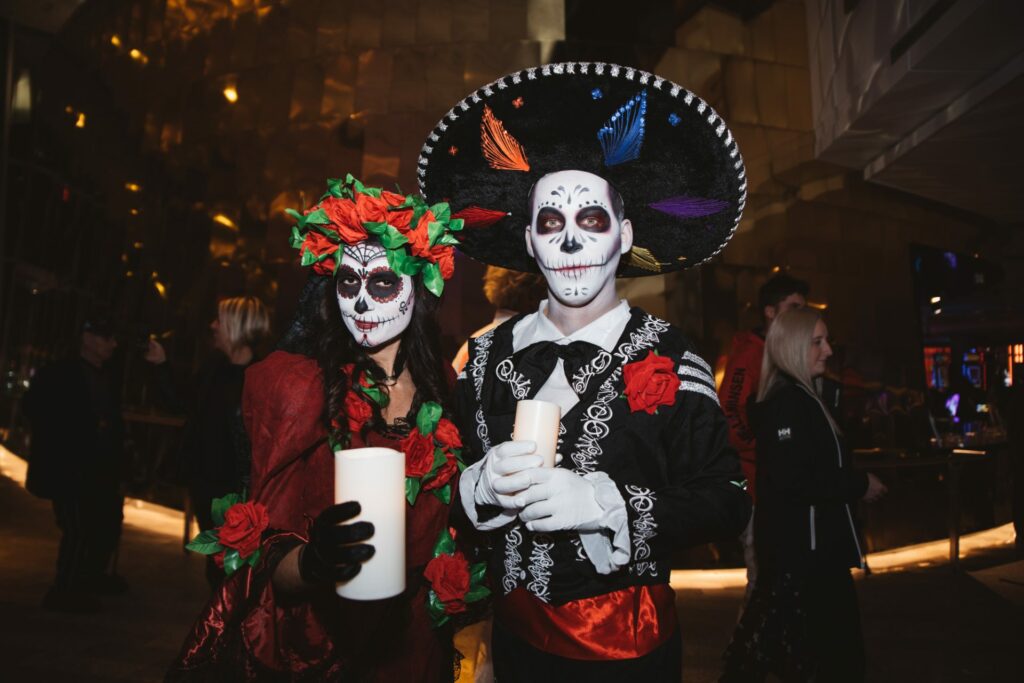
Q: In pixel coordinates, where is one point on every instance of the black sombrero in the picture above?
(666, 151)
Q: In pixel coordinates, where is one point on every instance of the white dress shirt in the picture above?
(537, 327)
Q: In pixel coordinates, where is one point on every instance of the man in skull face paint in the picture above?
(578, 234)
(580, 553)
(358, 362)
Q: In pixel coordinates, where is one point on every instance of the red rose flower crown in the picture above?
(236, 540)
(419, 238)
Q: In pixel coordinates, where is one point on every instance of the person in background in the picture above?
(802, 622)
(214, 451)
(511, 293)
(74, 410)
(742, 373)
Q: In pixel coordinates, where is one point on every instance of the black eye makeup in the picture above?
(593, 219)
(348, 282)
(383, 284)
(549, 221)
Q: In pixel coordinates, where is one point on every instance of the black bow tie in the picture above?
(538, 361)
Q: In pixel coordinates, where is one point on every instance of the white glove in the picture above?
(502, 462)
(554, 499)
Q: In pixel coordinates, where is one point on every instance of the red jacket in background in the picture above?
(742, 375)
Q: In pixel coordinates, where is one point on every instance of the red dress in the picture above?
(247, 632)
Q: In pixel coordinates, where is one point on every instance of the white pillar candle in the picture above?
(539, 421)
(375, 477)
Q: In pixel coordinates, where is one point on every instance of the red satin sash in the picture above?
(624, 624)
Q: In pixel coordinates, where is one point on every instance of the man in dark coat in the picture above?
(74, 409)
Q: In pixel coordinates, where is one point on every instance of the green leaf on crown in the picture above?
(391, 238)
(432, 279)
(441, 211)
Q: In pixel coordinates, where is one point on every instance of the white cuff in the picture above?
(467, 492)
(608, 547)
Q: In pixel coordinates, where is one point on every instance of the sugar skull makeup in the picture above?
(376, 303)
(575, 235)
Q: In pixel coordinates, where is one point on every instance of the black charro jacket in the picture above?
(675, 470)
(805, 485)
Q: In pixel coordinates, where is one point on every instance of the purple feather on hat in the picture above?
(689, 207)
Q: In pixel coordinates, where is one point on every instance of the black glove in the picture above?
(334, 552)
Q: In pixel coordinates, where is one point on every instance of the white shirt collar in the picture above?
(603, 332)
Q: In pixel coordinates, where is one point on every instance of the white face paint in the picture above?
(575, 235)
(376, 303)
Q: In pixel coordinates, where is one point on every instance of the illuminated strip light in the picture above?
(166, 521)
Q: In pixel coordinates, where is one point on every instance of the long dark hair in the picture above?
(420, 349)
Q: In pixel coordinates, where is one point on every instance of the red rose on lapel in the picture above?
(650, 383)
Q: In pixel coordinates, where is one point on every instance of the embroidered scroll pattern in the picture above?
(596, 416)
(516, 381)
(513, 574)
(540, 567)
(644, 529)
(478, 370)
(595, 367)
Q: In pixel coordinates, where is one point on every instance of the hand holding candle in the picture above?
(376, 478)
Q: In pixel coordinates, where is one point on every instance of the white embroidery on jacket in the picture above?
(540, 567)
(644, 529)
(513, 560)
(478, 370)
(595, 367)
(596, 416)
(516, 381)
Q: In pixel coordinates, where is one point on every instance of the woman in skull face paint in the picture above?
(360, 359)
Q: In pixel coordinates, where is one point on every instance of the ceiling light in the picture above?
(221, 219)
(230, 94)
(80, 121)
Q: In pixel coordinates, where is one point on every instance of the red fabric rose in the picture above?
(319, 244)
(419, 454)
(650, 383)
(400, 220)
(371, 209)
(345, 219)
(243, 525)
(357, 411)
(447, 434)
(392, 198)
(444, 257)
(449, 578)
(444, 473)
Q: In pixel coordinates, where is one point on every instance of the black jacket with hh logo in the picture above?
(805, 485)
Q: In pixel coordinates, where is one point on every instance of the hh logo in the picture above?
(785, 434)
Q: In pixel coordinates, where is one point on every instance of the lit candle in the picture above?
(539, 421)
(375, 477)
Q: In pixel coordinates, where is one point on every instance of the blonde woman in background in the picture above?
(802, 622)
(214, 459)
